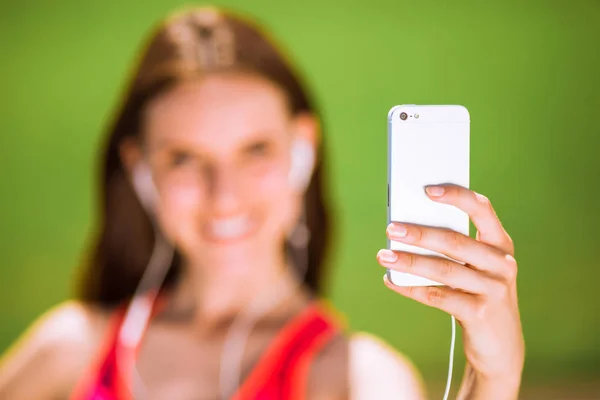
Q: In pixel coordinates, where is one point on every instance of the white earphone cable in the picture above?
(451, 362)
(139, 310)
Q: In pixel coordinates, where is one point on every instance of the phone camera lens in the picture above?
(403, 116)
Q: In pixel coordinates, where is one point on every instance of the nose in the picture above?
(223, 189)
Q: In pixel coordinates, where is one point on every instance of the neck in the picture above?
(212, 301)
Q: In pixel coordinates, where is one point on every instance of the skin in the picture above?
(220, 148)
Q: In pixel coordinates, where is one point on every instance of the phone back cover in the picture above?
(431, 150)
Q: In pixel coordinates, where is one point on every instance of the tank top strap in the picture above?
(99, 382)
(282, 373)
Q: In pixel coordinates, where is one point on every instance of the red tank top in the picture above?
(280, 374)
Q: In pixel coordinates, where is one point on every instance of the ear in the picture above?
(130, 154)
(303, 152)
(306, 126)
(138, 173)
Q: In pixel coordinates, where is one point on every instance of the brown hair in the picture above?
(186, 45)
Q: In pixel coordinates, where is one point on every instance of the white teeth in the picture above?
(229, 228)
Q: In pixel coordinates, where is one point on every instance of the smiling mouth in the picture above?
(229, 230)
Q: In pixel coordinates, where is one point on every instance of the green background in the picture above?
(527, 71)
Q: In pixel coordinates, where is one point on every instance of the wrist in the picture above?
(497, 388)
(500, 387)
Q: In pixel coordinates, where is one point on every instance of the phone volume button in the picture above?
(388, 194)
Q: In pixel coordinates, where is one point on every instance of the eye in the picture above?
(179, 157)
(260, 148)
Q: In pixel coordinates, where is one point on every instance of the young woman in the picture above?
(206, 272)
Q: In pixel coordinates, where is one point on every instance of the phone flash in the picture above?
(417, 116)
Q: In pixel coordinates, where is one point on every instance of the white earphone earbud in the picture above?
(143, 184)
(302, 164)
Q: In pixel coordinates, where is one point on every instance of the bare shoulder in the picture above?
(54, 351)
(377, 371)
(328, 376)
(71, 323)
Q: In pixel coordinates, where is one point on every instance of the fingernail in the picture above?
(396, 230)
(387, 256)
(435, 191)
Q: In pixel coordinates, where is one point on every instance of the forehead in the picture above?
(217, 111)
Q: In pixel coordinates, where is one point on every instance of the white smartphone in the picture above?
(427, 145)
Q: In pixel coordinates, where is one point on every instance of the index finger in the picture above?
(479, 209)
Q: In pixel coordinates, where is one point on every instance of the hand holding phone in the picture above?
(472, 279)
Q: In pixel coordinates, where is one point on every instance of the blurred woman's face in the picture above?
(219, 151)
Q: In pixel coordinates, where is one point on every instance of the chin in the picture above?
(231, 261)
(234, 256)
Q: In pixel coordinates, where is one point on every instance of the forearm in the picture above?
(475, 387)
